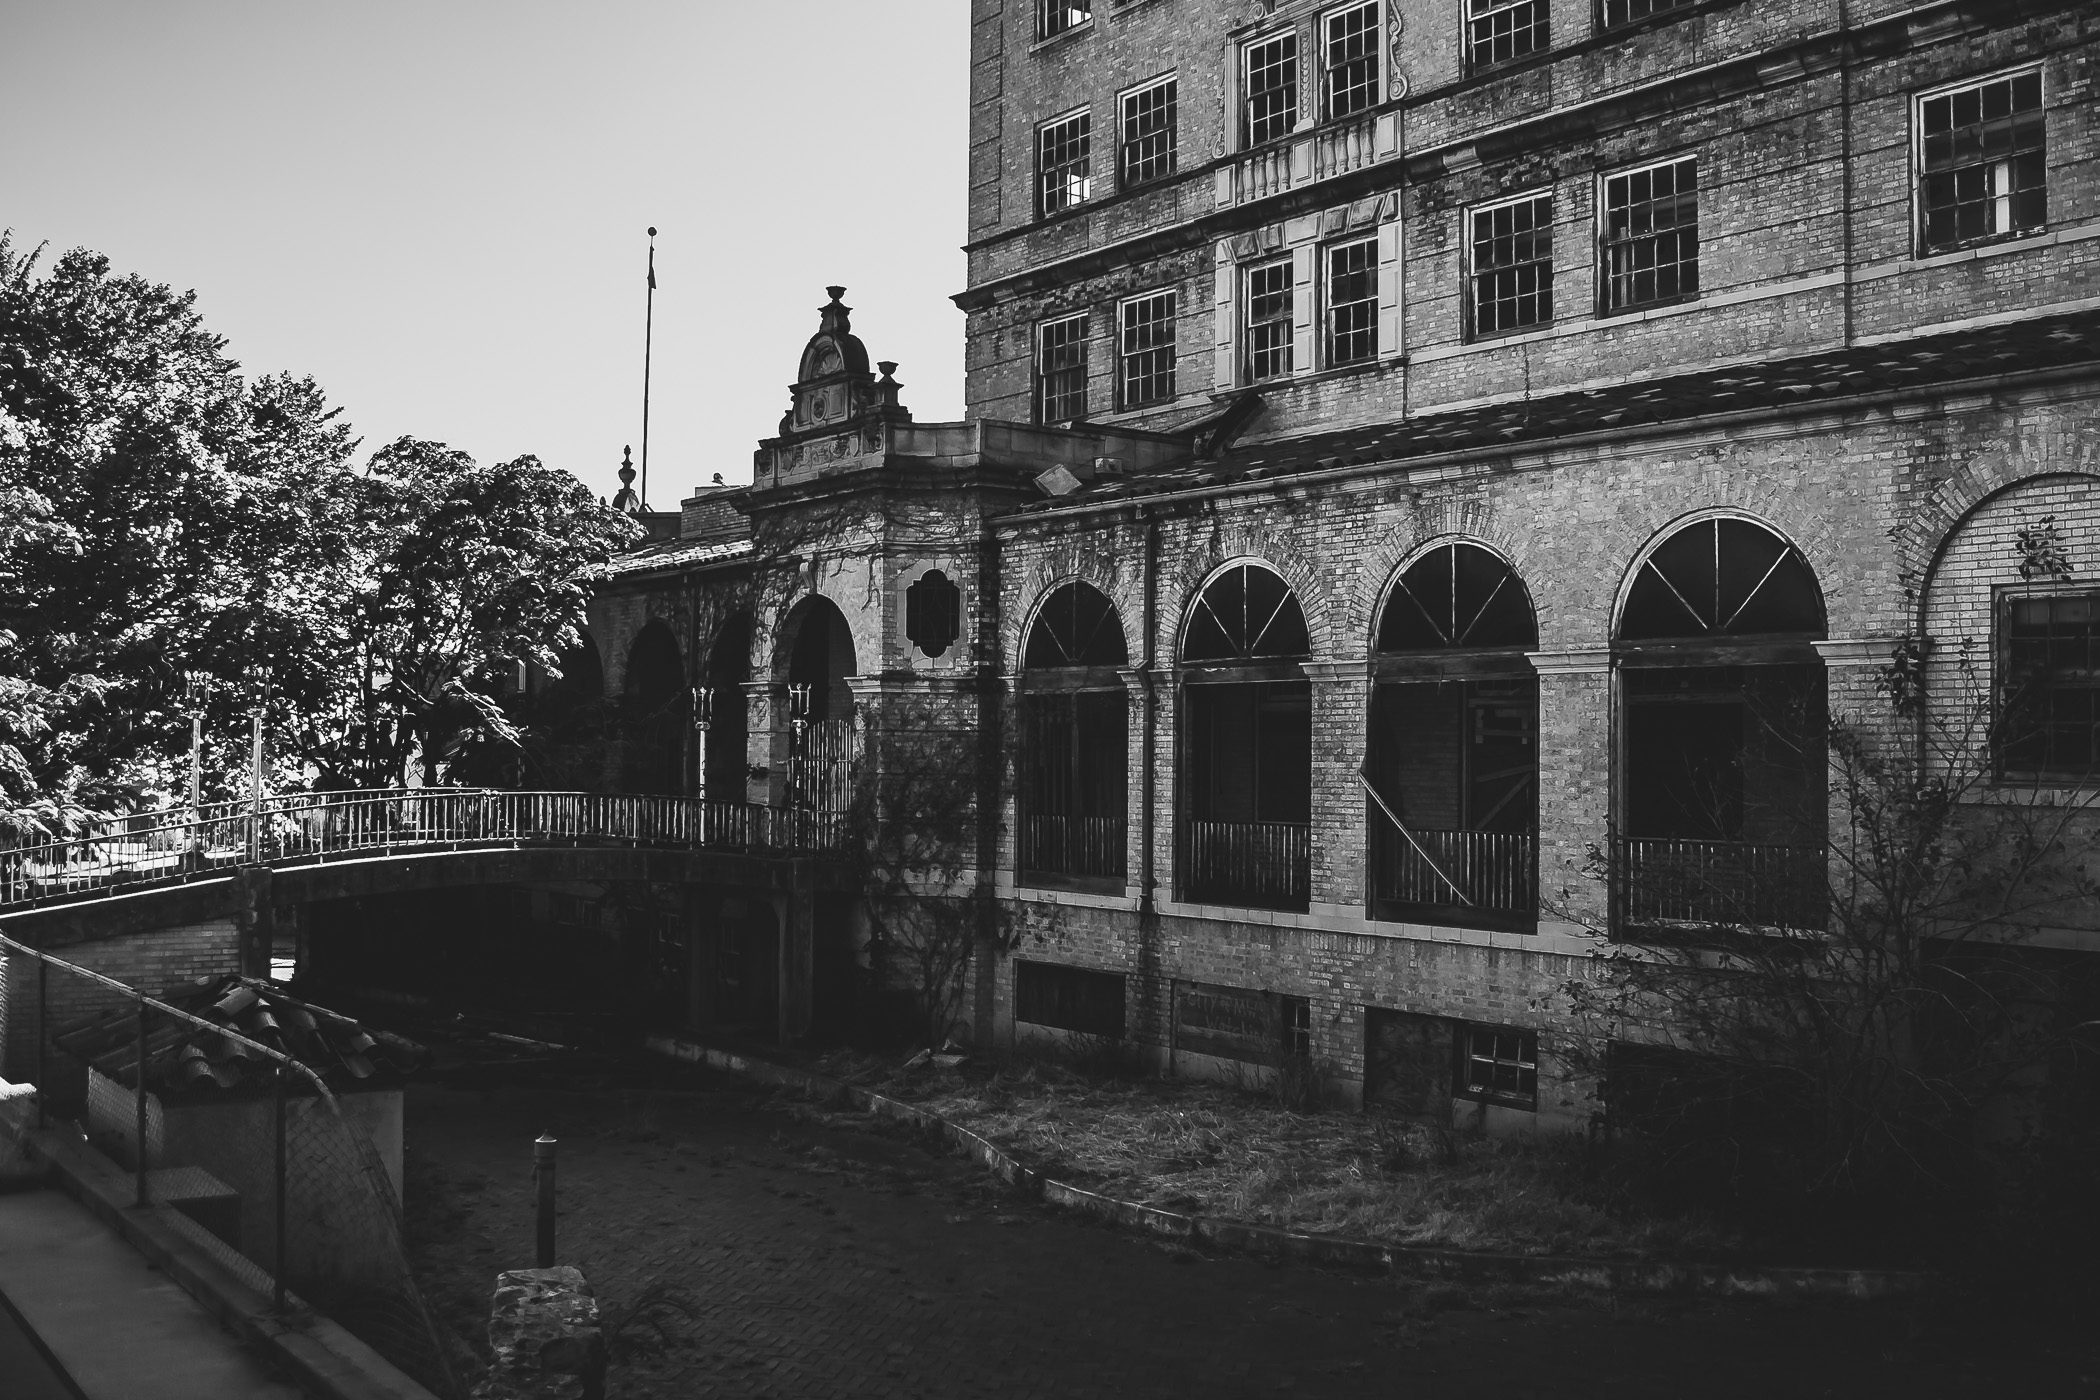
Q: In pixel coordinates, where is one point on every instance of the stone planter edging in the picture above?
(1457, 1265)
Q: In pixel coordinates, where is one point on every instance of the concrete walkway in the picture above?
(119, 1327)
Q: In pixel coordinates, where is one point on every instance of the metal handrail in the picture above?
(296, 827)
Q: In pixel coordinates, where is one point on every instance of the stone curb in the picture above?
(1468, 1266)
(318, 1354)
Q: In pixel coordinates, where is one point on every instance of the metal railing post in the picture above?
(543, 1182)
(138, 1072)
(277, 1267)
(43, 1034)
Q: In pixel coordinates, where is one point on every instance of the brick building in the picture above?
(1428, 470)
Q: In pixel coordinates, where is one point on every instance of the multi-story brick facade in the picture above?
(1287, 316)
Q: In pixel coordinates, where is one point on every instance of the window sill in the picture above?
(1640, 309)
(1983, 247)
(1513, 333)
(1068, 36)
(1311, 376)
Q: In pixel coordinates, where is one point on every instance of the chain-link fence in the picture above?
(270, 1131)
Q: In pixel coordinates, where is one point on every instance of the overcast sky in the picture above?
(438, 208)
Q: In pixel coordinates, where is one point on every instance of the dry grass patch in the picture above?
(1217, 1150)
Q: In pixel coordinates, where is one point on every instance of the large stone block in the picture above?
(543, 1329)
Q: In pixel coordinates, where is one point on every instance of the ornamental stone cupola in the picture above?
(833, 385)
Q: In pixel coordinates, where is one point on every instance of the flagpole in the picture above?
(648, 338)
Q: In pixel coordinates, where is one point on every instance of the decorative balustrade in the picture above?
(314, 827)
(1071, 847)
(1667, 883)
(1498, 872)
(1308, 156)
(1261, 865)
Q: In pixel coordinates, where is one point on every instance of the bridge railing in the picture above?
(298, 827)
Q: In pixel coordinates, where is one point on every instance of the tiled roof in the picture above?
(674, 554)
(181, 1057)
(1978, 352)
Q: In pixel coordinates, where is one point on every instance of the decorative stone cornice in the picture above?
(1856, 651)
(1337, 672)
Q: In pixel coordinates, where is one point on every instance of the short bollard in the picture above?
(543, 1182)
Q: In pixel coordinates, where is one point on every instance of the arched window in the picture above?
(1723, 577)
(1246, 771)
(1074, 713)
(1246, 613)
(1077, 626)
(822, 746)
(1457, 595)
(1721, 802)
(1451, 777)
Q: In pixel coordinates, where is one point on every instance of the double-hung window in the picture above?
(1060, 370)
(1982, 167)
(1271, 88)
(1651, 235)
(1511, 275)
(1498, 31)
(2049, 685)
(1054, 17)
(1269, 320)
(1148, 132)
(1350, 58)
(1145, 359)
(1064, 162)
(1498, 1065)
(1352, 301)
(1618, 12)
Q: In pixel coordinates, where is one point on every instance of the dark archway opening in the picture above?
(1452, 764)
(1722, 795)
(1075, 717)
(656, 713)
(727, 757)
(1246, 773)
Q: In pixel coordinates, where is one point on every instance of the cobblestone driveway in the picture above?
(840, 1263)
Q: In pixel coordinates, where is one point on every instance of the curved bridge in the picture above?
(316, 828)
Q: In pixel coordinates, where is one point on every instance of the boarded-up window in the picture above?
(1240, 1023)
(1407, 1062)
(1069, 998)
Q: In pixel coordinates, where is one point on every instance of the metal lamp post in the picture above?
(255, 765)
(703, 717)
(196, 692)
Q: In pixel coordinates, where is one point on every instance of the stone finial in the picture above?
(837, 317)
(626, 500)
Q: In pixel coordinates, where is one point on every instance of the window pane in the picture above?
(1512, 249)
(1618, 12)
(1061, 371)
(1064, 162)
(1269, 320)
(2049, 683)
(1272, 88)
(1148, 133)
(1651, 235)
(1054, 17)
(1147, 351)
(1352, 61)
(1500, 30)
(1352, 302)
(1982, 166)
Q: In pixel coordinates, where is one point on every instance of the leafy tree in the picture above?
(472, 573)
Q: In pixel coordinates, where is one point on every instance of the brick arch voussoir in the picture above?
(780, 645)
(1925, 531)
(1199, 562)
(1072, 562)
(1474, 521)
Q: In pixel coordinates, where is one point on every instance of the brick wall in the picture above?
(154, 962)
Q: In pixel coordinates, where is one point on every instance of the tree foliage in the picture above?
(165, 514)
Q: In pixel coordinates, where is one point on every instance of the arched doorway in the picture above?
(727, 761)
(1246, 770)
(1453, 751)
(1075, 716)
(655, 718)
(567, 722)
(1721, 804)
(821, 745)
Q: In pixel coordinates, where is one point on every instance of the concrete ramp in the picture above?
(115, 1325)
